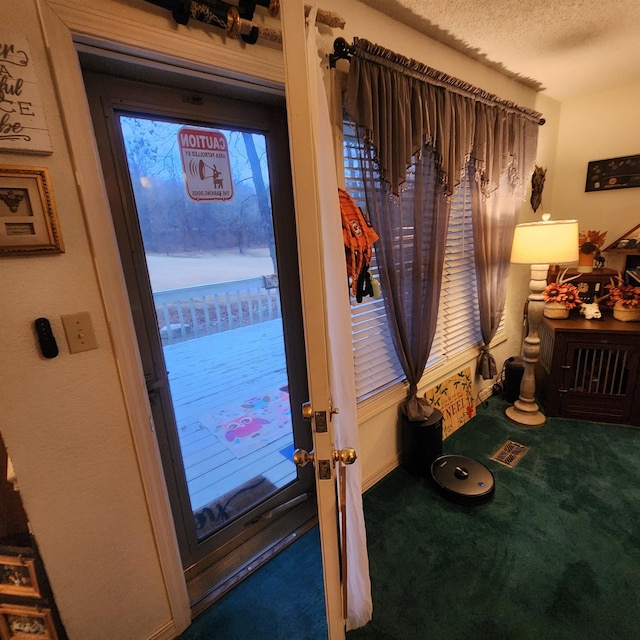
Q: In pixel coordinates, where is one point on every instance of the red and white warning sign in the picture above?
(205, 161)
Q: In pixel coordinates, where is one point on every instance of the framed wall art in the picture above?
(22, 122)
(19, 622)
(28, 217)
(18, 576)
(614, 173)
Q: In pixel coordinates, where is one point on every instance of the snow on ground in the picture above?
(186, 270)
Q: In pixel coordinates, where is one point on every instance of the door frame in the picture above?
(143, 36)
(217, 559)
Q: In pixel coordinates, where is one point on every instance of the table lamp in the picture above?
(538, 244)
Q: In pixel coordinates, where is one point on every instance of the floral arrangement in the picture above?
(623, 295)
(591, 242)
(563, 292)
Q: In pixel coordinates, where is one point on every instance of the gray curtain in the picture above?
(420, 125)
(413, 231)
(494, 220)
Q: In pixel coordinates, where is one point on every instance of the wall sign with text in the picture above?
(205, 160)
(454, 397)
(22, 123)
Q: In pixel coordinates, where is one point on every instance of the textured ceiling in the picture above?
(566, 48)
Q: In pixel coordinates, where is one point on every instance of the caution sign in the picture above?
(205, 162)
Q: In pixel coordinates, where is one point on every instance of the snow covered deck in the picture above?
(232, 409)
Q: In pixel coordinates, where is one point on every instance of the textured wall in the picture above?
(603, 125)
(64, 420)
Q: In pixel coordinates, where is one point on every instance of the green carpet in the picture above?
(555, 554)
(283, 600)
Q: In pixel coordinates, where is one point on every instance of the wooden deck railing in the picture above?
(192, 312)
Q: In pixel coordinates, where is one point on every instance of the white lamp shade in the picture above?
(545, 242)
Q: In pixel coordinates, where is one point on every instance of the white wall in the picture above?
(75, 425)
(596, 127)
(64, 420)
(379, 439)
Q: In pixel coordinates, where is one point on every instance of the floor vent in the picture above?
(510, 453)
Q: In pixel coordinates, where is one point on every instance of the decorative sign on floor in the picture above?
(205, 161)
(254, 424)
(22, 123)
(454, 397)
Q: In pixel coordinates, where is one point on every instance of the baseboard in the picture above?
(386, 469)
(167, 631)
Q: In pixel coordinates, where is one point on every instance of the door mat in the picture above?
(510, 453)
(217, 513)
(254, 424)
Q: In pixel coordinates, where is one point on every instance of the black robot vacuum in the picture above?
(462, 480)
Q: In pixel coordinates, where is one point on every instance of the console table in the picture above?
(590, 369)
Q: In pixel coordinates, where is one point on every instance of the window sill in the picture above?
(397, 392)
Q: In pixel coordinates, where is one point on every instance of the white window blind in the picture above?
(458, 328)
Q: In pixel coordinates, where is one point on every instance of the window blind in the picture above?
(375, 361)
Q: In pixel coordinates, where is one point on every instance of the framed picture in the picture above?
(18, 622)
(28, 217)
(18, 576)
(614, 173)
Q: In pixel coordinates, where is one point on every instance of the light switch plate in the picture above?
(79, 331)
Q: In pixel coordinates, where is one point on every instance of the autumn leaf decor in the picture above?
(564, 293)
(590, 241)
(560, 297)
(625, 300)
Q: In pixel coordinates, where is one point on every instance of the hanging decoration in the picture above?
(358, 235)
(537, 185)
(237, 20)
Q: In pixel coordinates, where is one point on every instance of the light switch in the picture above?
(79, 331)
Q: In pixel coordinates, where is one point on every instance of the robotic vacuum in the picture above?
(462, 480)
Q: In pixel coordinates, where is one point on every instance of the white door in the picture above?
(308, 184)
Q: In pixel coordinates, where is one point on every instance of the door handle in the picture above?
(301, 457)
(348, 455)
(308, 414)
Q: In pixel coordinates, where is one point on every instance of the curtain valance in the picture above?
(402, 104)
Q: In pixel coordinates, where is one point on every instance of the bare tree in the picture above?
(264, 201)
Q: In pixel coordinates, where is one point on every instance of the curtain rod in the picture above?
(342, 50)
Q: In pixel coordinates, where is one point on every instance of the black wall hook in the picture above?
(342, 50)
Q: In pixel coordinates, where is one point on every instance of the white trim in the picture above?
(151, 33)
(303, 120)
(394, 394)
(167, 631)
(95, 25)
(381, 472)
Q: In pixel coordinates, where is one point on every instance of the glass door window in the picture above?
(204, 210)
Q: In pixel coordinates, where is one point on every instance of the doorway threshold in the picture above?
(210, 584)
